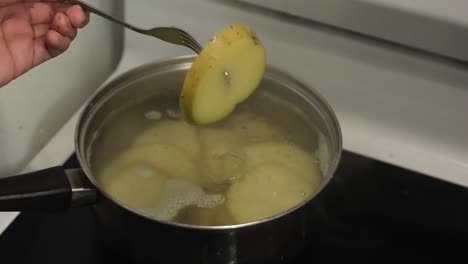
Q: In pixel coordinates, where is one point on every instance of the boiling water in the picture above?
(245, 168)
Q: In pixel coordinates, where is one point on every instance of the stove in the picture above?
(375, 212)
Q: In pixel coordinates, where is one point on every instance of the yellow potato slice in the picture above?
(137, 186)
(177, 133)
(286, 154)
(254, 128)
(226, 72)
(168, 159)
(265, 191)
(221, 156)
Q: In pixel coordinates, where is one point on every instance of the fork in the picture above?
(172, 35)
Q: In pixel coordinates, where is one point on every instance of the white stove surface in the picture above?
(393, 106)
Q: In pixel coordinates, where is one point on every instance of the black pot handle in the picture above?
(52, 189)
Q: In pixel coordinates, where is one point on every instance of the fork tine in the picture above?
(189, 40)
(192, 46)
(176, 36)
(196, 44)
(184, 33)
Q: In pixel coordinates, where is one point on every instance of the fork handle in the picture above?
(98, 12)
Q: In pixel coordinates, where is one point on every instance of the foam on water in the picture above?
(173, 114)
(210, 200)
(153, 115)
(180, 193)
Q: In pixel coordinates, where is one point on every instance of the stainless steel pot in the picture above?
(149, 240)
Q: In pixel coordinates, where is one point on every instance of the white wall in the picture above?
(439, 26)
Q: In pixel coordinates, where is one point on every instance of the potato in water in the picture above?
(177, 133)
(137, 176)
(143, 179)
(168, 158)
(212, 175)
(294, 158)
(222, 162)
(253, 128)
(266, 190)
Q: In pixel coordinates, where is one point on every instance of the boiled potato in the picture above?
(286, 154)
(253, 128)
(266, 190)
(221, 159)
(177, 133)
(168, 159)
(137, 186)
(227, 71)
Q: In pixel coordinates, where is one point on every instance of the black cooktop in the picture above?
(376, 212)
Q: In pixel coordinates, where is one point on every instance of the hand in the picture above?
(34, 31)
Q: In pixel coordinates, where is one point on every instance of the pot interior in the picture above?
(139, 99)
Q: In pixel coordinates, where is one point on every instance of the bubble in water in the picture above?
(153, 115)
(180, 193)
(172, 114)
(210, 200)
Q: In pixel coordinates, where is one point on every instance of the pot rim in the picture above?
(187, 59)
